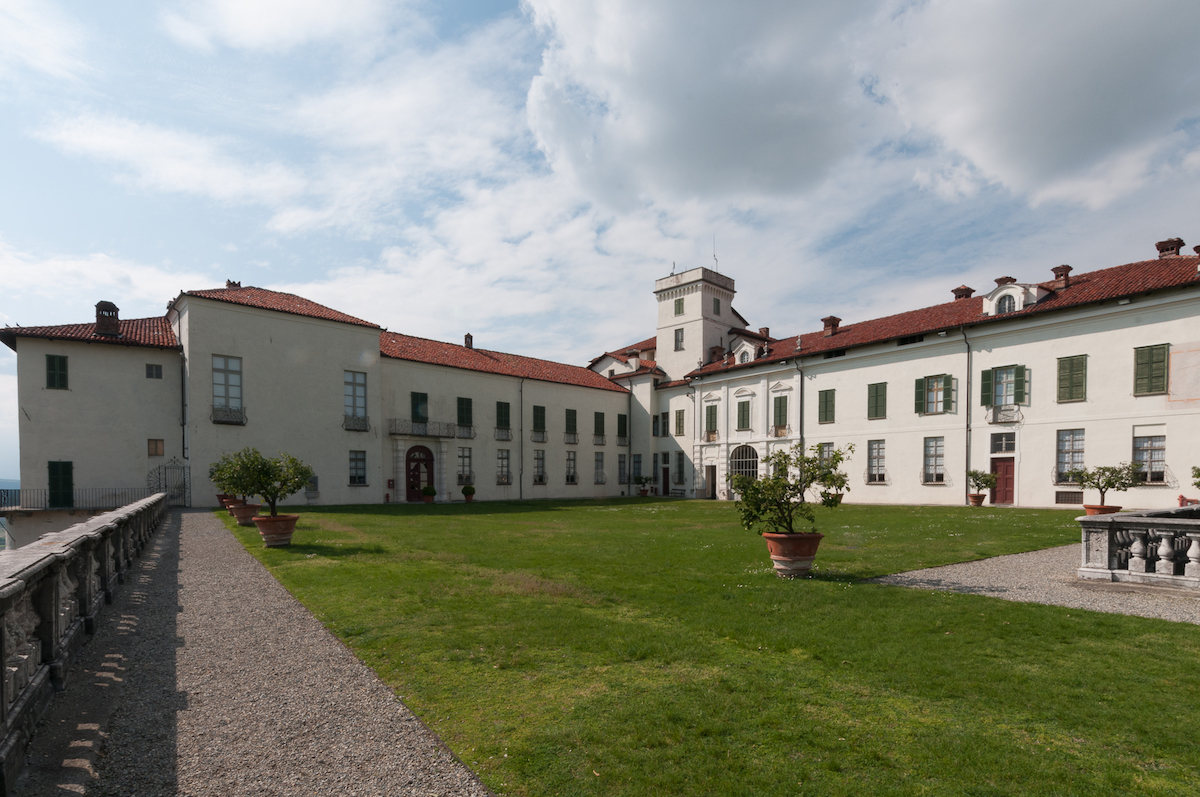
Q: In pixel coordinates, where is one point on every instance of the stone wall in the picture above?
(1160, 547)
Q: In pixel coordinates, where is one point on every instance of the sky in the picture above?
(525, 171)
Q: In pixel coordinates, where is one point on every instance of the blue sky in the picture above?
(524, 171)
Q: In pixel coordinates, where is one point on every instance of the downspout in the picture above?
(521, 435)
(966, 479)
(695, 436)
(183, 405)
(800, 430)
(629, 440)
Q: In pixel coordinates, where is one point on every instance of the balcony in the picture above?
(571, 438)
(600, 477)
(537, 436)
(234, 416)
(356, 423)
(712, 436)
(599, 439)
(780, 431)
(503, 479)
(504, 433)
(539, 478)
(465, 432)
(89, 498)
(1004, 413)
(572, 478)
(422, 428)
(466, 478)
(622, 440)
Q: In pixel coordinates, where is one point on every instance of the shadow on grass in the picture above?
(332, 551)
(461, 508)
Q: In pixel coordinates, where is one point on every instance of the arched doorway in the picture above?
(418, 471)
(743, 461)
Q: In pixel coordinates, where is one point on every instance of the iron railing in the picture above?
(572, 478)
(539, 478)
(504, 433)
(87, 498)
(537, 436)
(465, 432)
(466, 478)
(503, 478)
(600, 477)
(622, 440)
(599, 440)
(571, 437)
(230, 415)
(1004, 413)
(422, 428)
(356, 423)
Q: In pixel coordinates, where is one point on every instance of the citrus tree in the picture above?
(778, 501)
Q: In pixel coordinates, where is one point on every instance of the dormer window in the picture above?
(1006, 304)
(744, 357)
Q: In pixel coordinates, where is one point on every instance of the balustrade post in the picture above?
(1192, 568)
(1137, 552)
(1165, 554)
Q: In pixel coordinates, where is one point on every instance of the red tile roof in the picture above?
(154, 332)
(622, 354)
(281, 302)
(435, 352)
(1096, 286)
(645, 368)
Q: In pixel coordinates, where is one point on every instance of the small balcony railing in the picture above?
(537, 436)
(780, 431)
(572, 478)
(503, 433)
(466, 478)
(234, 416)
(599, 439)
(503, 479)
(539, 478)
(1004, 413)
(87, 498)
(600, 477)
(571, 438)
(712, 436)
(465, 432)
(422, 428)
(622, 439)
(356, 423)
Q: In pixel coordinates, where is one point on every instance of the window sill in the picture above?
(877, 418)
(933, 484)
(358, 485)
(1072, 401)
(819, 423)
(1155, 393)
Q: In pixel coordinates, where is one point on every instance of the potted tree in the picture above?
(273, 479)
(980, 481)
(832, 482)
(222, 473)
(1103, 478)
(643, 483)
(428, 492)
(468, 492)
(775, 505)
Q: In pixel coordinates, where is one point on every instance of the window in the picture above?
(680, 419)
(825, 401)
(1000, 387)
(654, 426)
(1151, 452)
(1070, 454)
(154, 448)
(679, 467)
(679, 307)
(539, 419)
(744, 357)
(654, 472)
(465, 474)
(1150, 370)
(743, 461)
(622, 471)
(829, 355)
(781, 412)
(716, 306)
(622, 429)
(466, 413)
(1004, 442)
(572, 427)
(420, 407)
(1072, 378)
(227, 382)
(61, 494)
(572, 476)
(877, 401)
(358, 468)
(934, 470)
(666, 424)
(503, 472)
(710, 421)
(599, 468)
(824, 451)
(153, 371)
(598, 424)
(935, 394)
(679, 340)
(56, 372)
(637, 466)
(876, 469)
(355, 390)
(743, 416)
(1006, 304)
(539, 466)
(503, 421)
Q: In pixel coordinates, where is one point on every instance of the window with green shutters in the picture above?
(1150, 370)
(781, 411)
(598, 423)
(622, 425)
(571, 425)
(62, 485)
(56, 372)
(825, 399)
(1072, 378)
(680, 422)
(1003, 386)
(420, 407)
(935, 394)
(877, 401)
(465, 412)
(743, 416)
(502, 415)
(710, 418)
(539, 419)
(679, 307)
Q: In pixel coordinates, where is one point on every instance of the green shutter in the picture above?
(465, 413)
(1150, 370)
(502, 416)
(61, 492)
(743, 414)
(825, 406)
(781, 410)
(598, 423)
(622, 425)
(1019, 384)
(920, 399)
(877, 400)
(947, 393)
(1158, 370)
(1064, 378)
(420, 407)
(56, 372)
(571, 428)
(539, 419)
(710, 418)
(986, 389)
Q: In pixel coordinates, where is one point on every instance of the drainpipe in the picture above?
(800, 430)
(966, 480)
(629, 438)
(695, 435)
(521, 447)
(183, 405)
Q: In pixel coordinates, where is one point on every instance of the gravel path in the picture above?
(1049, 577)
(218, 682)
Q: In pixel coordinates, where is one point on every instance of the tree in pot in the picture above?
(428, 491)
(777, 507)
(468, 492)
(274, 479)
(832, 483)
(1103, 478)
(980, 481)
(643, 483)
(222, 473)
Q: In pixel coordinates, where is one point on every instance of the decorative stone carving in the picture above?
(22, 648)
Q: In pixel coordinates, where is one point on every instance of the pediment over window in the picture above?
(744, 392)
(781, 387)
(709, 397)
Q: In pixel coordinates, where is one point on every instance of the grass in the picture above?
(644, 647)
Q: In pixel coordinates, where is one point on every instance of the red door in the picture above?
(418, 469)
(1005, 468)
(666, 480)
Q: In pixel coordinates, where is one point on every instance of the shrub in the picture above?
(1103, 478)
(981, 480)
(777, 501)
(250, 473)
(429, 489)
(468, 489)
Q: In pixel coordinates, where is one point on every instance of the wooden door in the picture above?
(666, 479)
(710, 481)
(418, 468)
(62, 485)
(1005, 469)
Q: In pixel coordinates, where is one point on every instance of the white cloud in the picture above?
(174, 161)
(39, 37)
(271, 25)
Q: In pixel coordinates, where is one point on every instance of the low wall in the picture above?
(1160, 546)
(51, 593)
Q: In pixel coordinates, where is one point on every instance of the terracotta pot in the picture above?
(1100, 509)
(221, 498)
(245, 513)
(428, 499)
(276, 531)
(643, 492)
(976, 499)
(469, 498)
(231, 502)
(792, 554)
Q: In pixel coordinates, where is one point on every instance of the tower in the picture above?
(695, 313)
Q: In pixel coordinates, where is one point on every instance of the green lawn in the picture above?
(643, 646)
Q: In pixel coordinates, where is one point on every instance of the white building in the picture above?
(1027, 381)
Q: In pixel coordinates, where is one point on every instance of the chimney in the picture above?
(1169, 247)
(715, 353)
(1005, 281)
(635, 358)
(107, 322)
(764, 331)
(962, 292)
(231, 284)
(831, 324)
(469, 341)
(1062, 277)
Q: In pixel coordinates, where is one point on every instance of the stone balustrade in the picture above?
(51, 593)
(1153, 547)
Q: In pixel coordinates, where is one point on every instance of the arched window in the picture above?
(743, 461)
(1006, 304)
(744, 357)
